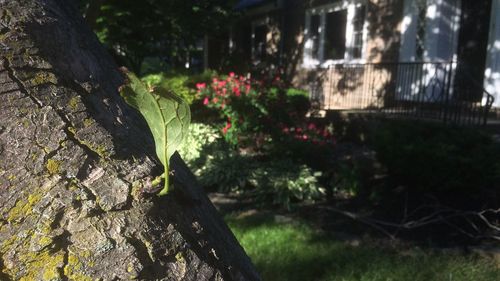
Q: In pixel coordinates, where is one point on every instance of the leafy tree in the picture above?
(134, 30)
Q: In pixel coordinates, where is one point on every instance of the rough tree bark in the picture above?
(75, 161)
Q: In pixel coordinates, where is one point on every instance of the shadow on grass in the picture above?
(294, 251)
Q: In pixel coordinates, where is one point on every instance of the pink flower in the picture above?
(200, 86)
(205, 101)
(231, 74)
(311, 126)
(215, 100)
(247, 88)
(305, 137)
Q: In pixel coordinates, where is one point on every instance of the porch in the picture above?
(441, 91)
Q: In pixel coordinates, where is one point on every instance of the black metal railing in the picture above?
(430, 90)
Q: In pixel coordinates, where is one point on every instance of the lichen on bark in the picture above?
(73, 154)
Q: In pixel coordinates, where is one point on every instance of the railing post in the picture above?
(447, 92)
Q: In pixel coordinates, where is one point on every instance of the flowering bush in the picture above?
(310, 132)
(255, 108)
(238, 101)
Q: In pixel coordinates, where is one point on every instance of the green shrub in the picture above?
(283, 182)
(214, 163)
(277, 182)
(292, 92)
(430, 158)
(153, 80)
(205, 77)
(199, 138)
(224, 170)
(175, 83)
(218, 166)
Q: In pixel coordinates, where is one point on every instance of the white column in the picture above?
(351, 11)
(322, 26)
(408, 32)
(492, 70)
(432, 30)
(441, 33)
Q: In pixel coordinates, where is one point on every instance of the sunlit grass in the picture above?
(294, 251)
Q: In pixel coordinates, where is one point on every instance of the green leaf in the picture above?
(167, 115)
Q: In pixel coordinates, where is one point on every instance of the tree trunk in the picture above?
(92, 12)
(75, 166)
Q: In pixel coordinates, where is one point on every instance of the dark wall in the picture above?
(473, 38)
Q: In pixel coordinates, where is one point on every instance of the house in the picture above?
(434, 58)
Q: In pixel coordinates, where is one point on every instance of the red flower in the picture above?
(228, 125)
(205, 101)
(236, 91)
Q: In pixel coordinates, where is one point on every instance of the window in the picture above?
(335, 27)
(314, 35)
(429, 30)
(358, 24)
(334, 33)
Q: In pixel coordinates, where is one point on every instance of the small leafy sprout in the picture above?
(167, 115)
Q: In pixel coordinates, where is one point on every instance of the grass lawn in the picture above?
(295, 251)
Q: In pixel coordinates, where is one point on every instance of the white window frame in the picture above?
(350, 6)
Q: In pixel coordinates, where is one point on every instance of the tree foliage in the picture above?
(134, 30)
